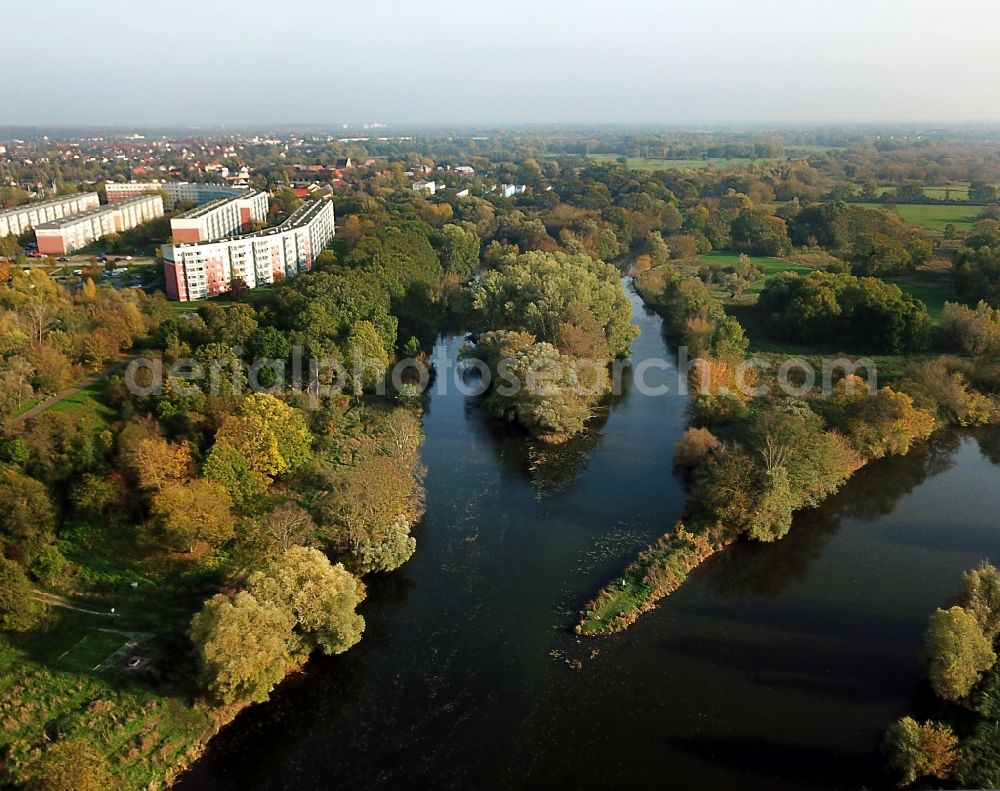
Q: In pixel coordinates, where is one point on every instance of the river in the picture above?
(773, 667)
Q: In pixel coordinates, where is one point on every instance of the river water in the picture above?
(773, 667)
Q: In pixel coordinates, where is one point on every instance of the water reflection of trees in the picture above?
(747, 570)
(263, 746)
(548, 468)
(989, 444)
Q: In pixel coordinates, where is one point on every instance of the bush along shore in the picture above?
(751, 462)
(959, 747)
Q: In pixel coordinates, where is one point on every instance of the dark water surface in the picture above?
(773, 667)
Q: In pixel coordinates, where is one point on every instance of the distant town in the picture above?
(196, 218)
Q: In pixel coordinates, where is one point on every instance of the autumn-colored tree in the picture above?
(268, 433)
(436, 214)
(682, 246)
(53, 370)
(194, 513)
(980, 596)
(153, 460)
(89, 291)
(885, 423)
(18, 608)
(27, 518)
(365, 509)
(642, 263)
(917, 750)
(263, 538)
(957, 653)
(581, 335)
(243, 646)
(321, 598)
(693, 446)
(70, 765)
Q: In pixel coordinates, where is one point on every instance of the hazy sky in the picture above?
(134, 62)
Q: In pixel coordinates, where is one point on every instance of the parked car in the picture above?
(63, 258)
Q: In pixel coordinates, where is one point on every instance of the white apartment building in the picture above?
(174, 190)
(206, 269)
(21, 219)
(220, 218)
(60, 237)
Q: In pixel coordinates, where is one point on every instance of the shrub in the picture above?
(693, 446)
(920, 750)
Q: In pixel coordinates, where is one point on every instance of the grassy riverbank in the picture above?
(656, 573)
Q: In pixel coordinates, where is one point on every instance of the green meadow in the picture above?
(657, 163)
(931, 216)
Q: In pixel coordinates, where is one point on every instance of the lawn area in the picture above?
(656, 163)
(770, 266)
(931, 288)
(931, 216)
(948, 192)
(50, 687)
(67, 676)
(87, 398)
(809, 149)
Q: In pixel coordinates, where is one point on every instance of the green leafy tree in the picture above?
(957, 653)
(458, 249)
(758, 233)
(537, 292)
(368, 357)
(18, 609)
(916, 750)
(27, 518)
(233, 470)
(321, 598)
(243, 646)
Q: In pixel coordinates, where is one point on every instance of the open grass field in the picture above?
(948, 192)
(69, 676)
(931, 216)
(933, 288)
(770, 266)
(654, 163)
(87, 398)
(809, 149)
(55, 681)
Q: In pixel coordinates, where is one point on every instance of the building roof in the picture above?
(301, 216)
(73, 219)
(41, 203)
(212, 205)
(105, 208)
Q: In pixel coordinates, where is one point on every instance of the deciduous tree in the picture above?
(957, 653)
